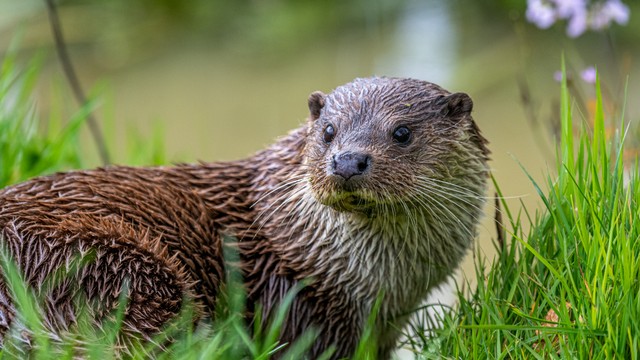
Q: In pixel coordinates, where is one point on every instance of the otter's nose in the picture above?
(349, 164)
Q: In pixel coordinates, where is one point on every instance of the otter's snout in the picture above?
(349, 164)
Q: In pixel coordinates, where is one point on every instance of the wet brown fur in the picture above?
(160, 229)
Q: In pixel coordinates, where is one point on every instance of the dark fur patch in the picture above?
(316, 103)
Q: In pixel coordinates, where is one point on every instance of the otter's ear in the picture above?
(316, 103)
(455, 105)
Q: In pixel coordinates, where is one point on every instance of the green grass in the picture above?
(27, 148)
(580, 261)
(569, 288)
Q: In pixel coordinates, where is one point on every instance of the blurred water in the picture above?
(423, 44)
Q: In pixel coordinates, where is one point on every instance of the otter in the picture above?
(370, 204)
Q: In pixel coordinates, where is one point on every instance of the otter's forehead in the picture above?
(370, 95)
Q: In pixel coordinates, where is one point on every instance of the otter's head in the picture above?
(392, 144)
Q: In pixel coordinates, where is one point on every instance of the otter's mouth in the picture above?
(351, 202)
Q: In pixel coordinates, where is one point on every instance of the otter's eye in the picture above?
(329, 134)
(402, 134)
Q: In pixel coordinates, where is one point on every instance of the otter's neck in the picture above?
(398, 254)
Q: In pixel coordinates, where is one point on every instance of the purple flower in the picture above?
(603, 14)
(557, 76)
(581, 15)
(589, 75)
(540, 13)
(618, 11)
(567, 8)
(577, 24)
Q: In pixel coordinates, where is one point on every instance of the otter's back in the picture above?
(127, 224)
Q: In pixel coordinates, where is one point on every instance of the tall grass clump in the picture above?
(568, 289)
(28, 145)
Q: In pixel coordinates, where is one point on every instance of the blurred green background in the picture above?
(222, 79)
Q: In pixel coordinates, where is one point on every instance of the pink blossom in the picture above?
(617, 11)
(577, 24)
(589, 75)
(603, 14)
(567, 8)
(540, 13)
(557, 76)
(581, 15)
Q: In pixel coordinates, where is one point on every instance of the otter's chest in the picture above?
(364, 259)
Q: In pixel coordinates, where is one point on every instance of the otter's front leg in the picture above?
(332, 316)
